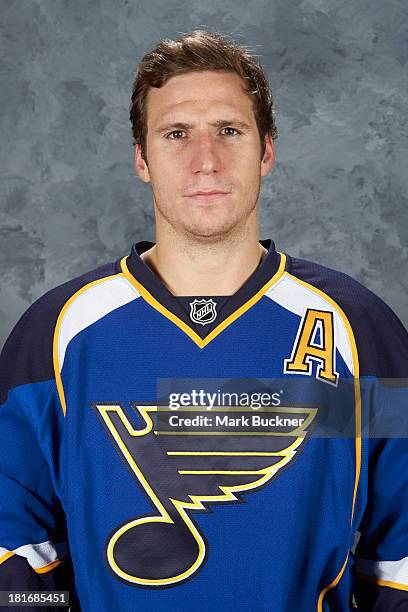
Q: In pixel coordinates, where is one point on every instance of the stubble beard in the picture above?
(206, 231)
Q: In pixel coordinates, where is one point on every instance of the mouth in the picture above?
(207, 196)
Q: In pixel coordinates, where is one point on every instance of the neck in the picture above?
(189, 267)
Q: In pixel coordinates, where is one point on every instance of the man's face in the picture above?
(202, 136)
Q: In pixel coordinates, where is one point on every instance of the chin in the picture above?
(209, 233)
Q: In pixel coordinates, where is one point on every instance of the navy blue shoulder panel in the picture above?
(381, 338)
(27, 353)
(372, 597)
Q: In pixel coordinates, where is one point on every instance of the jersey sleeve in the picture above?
(379, 561)
(34, 554)
(381, 554)
(34, 543)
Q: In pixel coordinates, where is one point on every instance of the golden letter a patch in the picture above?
(314, 341)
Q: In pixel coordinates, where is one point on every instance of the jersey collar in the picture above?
(180, 308)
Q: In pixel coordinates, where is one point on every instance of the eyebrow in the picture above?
(220, 123)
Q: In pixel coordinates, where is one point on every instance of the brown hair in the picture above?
(200, 50)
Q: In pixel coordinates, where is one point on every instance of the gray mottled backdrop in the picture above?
(69, 198)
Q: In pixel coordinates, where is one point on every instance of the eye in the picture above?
(174, 132)
(231, 128)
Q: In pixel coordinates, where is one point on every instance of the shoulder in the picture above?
(27, 355)
(381, 338)
(341, 287)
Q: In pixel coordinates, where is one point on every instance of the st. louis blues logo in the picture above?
(185, 461)
(203, 311)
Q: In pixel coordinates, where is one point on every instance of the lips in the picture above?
(209, 192)
(207, 196)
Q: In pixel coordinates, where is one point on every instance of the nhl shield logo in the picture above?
(203, 311)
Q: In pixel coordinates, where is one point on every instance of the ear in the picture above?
(268, 159)
(141, 167)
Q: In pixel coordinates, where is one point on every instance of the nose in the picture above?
(205, 156)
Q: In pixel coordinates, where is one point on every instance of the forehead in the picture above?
(198, 92)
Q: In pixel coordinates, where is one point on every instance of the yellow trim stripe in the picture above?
(48, 567)
(289, 450)
(386, 583)
(6, 556)
(229, 472)
(357, 395)
(331, 585)
(265, 409)
(200, 342)
(289, 434)
(39, 570)
(57, 329)
(224, 454)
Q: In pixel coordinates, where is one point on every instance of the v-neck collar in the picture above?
(179, 309)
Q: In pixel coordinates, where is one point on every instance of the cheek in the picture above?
(248, 174)
(163, 177)
(168, 189)
(248, 161)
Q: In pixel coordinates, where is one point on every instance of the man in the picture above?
(121, 458)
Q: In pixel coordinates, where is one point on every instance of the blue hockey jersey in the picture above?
(162, 452)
